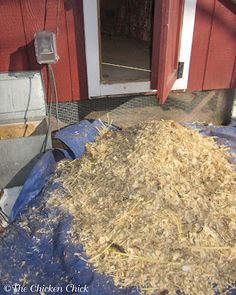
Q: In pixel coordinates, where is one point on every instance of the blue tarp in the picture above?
(36, 254)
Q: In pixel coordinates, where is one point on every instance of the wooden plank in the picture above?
(222, 49)
(200, 45)
(76, 44)
(13, 54)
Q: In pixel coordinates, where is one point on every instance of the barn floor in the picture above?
(199, 106)
(125, 51)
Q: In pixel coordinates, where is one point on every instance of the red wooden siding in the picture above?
(213, 54)
(212, 66)
(12, 37)
(19, 21)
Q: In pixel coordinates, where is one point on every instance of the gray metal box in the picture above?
(23, 125)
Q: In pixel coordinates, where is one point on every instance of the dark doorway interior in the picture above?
(126, 40)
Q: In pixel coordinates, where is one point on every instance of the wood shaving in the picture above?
(154, 206)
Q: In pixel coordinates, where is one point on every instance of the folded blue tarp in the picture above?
(36, 254)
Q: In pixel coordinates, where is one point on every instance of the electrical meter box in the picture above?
(45, 47)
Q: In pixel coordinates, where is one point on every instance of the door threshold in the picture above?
(125, 88)
(109, 82)
(114, 96)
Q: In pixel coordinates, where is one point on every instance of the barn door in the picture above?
(166, 36)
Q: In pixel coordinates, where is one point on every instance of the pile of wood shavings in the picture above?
(155, 207)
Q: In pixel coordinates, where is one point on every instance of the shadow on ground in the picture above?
(199, 106)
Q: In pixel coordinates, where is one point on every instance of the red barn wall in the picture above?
(213, 62)
(212, 66)
(19, 21)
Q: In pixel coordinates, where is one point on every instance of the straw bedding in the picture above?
(154, 206)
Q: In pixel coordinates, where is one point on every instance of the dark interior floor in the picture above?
(123, 51)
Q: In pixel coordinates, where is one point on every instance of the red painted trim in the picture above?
(156, 43)
(208, 43)
(200, 44)
(76, 41)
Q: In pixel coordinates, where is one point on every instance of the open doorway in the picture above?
(126, 28)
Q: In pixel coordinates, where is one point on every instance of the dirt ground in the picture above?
(202, 106)
(199, 106)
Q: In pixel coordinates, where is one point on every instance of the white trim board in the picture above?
(186, 42)
(91, 29)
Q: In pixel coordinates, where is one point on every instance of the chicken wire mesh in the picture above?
(204, 106)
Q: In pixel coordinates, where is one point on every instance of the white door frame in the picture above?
(91, 29)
